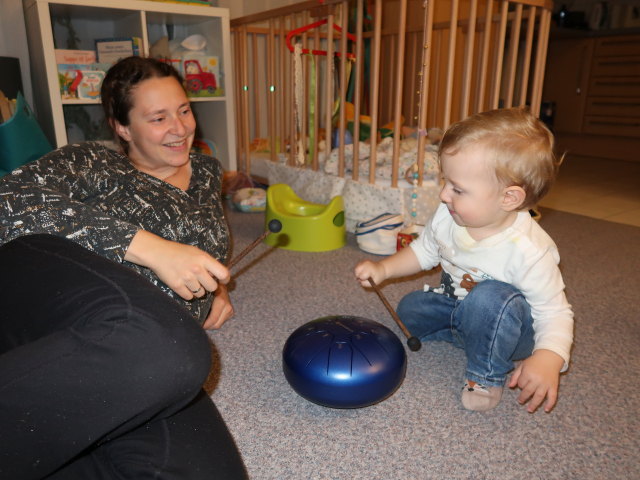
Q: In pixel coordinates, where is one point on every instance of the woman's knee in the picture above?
(107, 313)
(171, 348)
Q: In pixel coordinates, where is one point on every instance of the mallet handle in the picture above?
(274, 226)
(242, 254)
(390, 308)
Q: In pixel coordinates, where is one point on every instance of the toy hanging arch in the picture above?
(311, 26)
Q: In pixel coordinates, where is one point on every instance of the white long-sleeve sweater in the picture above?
(522, 255)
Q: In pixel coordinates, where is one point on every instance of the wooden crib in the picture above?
(315, 76)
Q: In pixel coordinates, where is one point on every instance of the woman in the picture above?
(126, 206)
(104, 369)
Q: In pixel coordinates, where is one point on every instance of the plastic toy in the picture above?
(306, 226)
(72, 80)
(198, 79)
(250, 200)
(344, 361)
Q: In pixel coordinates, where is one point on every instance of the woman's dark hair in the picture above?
(120, 81)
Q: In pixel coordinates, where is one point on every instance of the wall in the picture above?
(13, 40)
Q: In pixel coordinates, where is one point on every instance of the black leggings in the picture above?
(101, 373)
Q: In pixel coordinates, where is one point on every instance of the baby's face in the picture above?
(472, 192)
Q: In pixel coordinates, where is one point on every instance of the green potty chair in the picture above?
(306, 226)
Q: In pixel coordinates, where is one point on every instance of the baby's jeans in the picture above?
(493, 325)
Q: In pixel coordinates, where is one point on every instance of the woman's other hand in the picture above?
(221, 310)
(187, 270)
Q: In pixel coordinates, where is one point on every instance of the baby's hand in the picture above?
(538, 377)
(368, 269)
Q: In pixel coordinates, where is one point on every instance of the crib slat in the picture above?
(282, 80)
(526, 64)
(541, 55)
(358, 90)
(468, 60)
(329, 83)
(484, 63)
(391, 59)
(316, 112)
(256, 104)
(343, 88)
(500, 41)
(270, 92)
(408, 104)
(245, 99)
(513, 55)
(304, 138)
(375, 89)
(293, 144)
(435, 79)
(397, 120)
(453, 30)
(236, 100)
(424, 88)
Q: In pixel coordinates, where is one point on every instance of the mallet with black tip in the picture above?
(274, 227)
(413, 342)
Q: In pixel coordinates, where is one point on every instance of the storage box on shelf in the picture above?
(77, 24)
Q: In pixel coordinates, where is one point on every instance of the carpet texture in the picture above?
(422, 431)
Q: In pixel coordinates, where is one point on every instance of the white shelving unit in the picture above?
(47, 24)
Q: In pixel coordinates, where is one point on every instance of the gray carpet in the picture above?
(421, 431)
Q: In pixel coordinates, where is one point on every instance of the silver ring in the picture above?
(196, 291)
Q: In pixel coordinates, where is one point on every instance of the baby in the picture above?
(501, 296)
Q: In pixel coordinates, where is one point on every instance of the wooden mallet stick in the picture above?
(274, 227)
(413, 342)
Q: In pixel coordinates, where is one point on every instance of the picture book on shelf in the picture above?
(110, 50)
(81, 81)
(75, 57)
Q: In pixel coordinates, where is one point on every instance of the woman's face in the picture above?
(161, 127)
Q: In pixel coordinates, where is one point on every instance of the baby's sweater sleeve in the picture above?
(49, 195)
(540, 281)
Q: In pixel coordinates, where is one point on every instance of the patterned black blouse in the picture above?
(94, 196)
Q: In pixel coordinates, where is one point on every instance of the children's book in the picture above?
(81, 81)
(75, 57)
(110, 50)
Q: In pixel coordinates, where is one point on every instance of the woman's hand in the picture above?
(185, 269)
(221, 310)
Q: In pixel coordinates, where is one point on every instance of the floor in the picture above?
(604, 189)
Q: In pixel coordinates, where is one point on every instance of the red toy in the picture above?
(197, 78)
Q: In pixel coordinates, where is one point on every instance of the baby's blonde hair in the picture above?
(520, 148)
